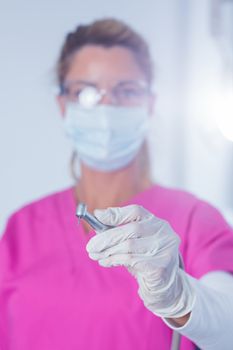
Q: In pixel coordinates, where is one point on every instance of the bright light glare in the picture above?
(224, 114)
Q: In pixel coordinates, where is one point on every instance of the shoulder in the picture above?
(192, 217)
(170, 203)
(183, 201)
(33, 232)
(42, 208)
(39, 221)
(174, 195)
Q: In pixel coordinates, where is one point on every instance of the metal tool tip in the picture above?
(81, 210)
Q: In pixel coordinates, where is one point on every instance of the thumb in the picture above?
(121, 215)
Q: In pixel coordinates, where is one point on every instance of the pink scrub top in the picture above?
(54, 297)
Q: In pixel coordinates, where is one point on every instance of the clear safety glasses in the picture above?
(88, 95)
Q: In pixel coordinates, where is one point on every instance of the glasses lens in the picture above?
(85, 95)
(89, 97)
(130, 93)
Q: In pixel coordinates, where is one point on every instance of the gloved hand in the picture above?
(148, 247)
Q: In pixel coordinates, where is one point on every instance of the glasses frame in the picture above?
(140, 95)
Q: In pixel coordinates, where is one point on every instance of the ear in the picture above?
(61, 104)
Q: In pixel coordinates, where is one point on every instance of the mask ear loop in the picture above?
(74, 162)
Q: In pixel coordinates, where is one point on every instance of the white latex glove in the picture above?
(148, 247)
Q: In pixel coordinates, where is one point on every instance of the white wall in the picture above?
(34, 153)
(209, 155)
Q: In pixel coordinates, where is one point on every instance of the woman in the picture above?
(52, 295)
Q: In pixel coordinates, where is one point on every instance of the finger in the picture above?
(121, 215)
(138, 246)
(107, 239)
(134, 262)
(111, 237)
(117, 260)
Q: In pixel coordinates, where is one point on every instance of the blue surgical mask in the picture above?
(106, 137)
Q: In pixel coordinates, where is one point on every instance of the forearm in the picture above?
(210, 323)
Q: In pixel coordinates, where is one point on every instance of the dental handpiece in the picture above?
(82, 213)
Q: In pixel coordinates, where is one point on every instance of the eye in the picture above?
(76, 92)
(130, 92)
(85, 95)
(89, 97)
(71, 92)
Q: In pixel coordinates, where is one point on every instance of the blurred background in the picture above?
(191, 142)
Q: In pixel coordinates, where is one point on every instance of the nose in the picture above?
(106, 98)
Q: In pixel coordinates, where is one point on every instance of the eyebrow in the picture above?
(65, 85)
(140, 82)
(81, 82)
(90, 83)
